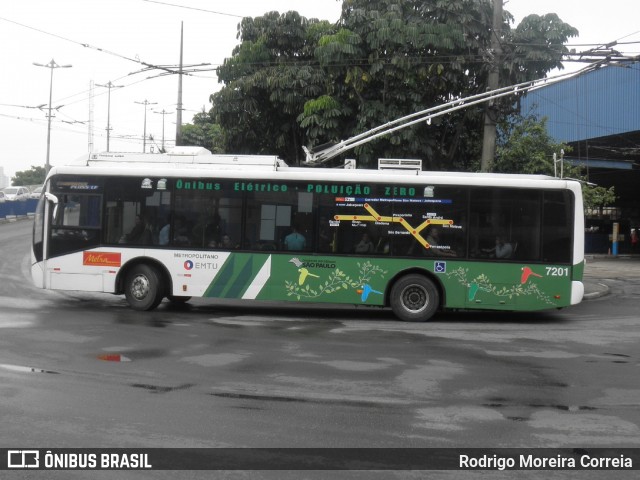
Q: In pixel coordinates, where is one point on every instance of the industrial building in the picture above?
(598, 115)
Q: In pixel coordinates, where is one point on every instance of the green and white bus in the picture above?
(191, 224)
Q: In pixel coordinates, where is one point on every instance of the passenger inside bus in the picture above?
(163, 235)
(435, 246)
(140, 234)
(365, 245)
(226, 243)
(295, 240)
(501, 249)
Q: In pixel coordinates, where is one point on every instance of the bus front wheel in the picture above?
(142, 288)
(414, 298)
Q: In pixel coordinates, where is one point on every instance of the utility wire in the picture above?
(165, 70)
(213, 67)
(86, 45)
(193, 8)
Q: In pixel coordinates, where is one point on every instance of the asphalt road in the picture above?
(80, 370)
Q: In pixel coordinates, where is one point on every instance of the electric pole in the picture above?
(91, 87)
(163, 113)
(489, 138)
(144, 135)
(51, 65)
(109, 86)
(179, 107)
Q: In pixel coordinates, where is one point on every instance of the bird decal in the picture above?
(365, 291)
(473, 289)
(304, 273)
(526, 273)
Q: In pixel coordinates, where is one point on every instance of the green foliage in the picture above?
(33, 176)
(391, 58)
(596, 197)
(524, 146)
(293, 81)
(268, 80)
(321, 117)
(536, 45)
(204, 133)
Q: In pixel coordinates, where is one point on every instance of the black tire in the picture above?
(414, 298)
(143, 287)
(179, 300)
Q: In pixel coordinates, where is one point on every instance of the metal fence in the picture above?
(18, 208)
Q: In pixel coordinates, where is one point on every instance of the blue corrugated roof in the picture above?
(599, 163)
(597, 104)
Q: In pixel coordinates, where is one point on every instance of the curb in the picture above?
(15, 218)
(600, 293)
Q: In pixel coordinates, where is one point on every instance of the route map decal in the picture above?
(415, 232)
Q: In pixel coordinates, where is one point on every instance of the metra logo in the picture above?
(188, 265)
(102, 259)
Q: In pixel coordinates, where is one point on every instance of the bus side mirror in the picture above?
(51, 197)
(54, 200)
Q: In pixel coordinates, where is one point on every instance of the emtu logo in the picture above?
(23, 459)
(188, 265)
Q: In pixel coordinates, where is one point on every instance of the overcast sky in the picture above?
(103, 40)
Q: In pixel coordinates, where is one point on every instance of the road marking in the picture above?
(23, 369)
(113, 357)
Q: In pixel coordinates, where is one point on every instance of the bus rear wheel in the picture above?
(142, 287)
(414, 298)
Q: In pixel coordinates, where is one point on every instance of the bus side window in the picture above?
(556, 226)
(271, 216)
(506, 224)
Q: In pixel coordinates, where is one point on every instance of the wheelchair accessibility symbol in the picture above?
(440, 267)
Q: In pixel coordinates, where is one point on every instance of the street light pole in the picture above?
(51, 65)
(163, 113)
(144, 139)
(109, 86)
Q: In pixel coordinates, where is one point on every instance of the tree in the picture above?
(525, 146)
(34, 176)
(268, 79)
(421, 54)
(595, 197)
(294, 82)
(535, 47)
(392, 58)
(204, 133)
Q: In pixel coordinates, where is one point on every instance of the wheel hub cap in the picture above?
(140, 287)
(415, 298)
